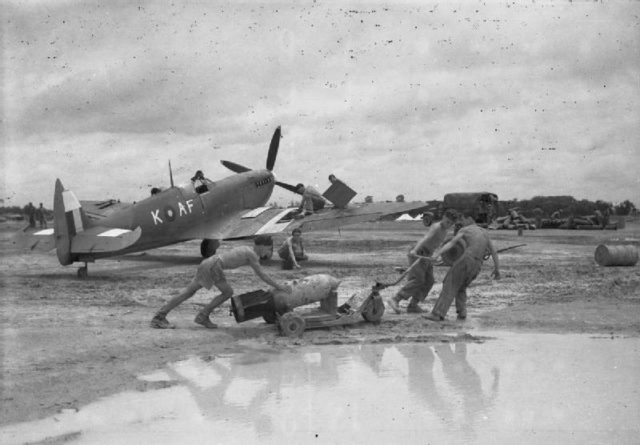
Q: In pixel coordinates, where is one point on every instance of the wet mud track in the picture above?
(68, 342)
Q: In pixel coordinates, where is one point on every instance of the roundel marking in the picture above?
(170, 213)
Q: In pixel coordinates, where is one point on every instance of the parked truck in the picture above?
(482, 206)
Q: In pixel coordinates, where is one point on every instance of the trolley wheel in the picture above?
(427, 219)
(270, 318)
(374, 310)
(83, 272)
(292, 325)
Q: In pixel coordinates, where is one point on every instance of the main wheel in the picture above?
(208, 247)
(292, 325)
(427, 219)
(374, 310)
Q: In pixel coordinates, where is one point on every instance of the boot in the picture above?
(161, 322)
(203, 320)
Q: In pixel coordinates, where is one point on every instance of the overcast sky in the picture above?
(415, 98)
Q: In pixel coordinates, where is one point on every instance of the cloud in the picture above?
(414, 98)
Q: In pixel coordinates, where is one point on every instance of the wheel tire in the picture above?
(374, 310)
(291, 325)
(427, 219)
(208, 247)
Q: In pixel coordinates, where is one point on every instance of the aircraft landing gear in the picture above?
(208, 247)
(83, 272)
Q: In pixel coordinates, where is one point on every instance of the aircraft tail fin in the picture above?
(69, 220)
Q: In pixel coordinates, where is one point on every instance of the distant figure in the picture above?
(368, 199)
(334, 180)
(292, 251)
(41, 216)
(420, 278)
(155, 191)
(400, 198)
(312, 200)
(486, 213)
(199, 182)
(538, 213)
(198, 176)
(30, 214)
(606, 217)
(210, 273)
(464, 270)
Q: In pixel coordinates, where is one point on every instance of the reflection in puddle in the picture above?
(535, 388)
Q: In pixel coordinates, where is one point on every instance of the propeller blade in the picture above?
(235, 167)
(291, 188)
(273, 149)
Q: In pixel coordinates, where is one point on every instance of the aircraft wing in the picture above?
(103, 239)
(268, 221)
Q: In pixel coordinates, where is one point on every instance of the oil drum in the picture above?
(617, 255)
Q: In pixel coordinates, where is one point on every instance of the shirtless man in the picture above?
(464, 270)
(211, 273)
(292, 250)
(420, 278)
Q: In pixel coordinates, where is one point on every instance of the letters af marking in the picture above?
(182, 211)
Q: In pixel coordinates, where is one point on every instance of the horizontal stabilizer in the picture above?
(103, 239)
(38, 240)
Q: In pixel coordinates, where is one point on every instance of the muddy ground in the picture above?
(67, 342)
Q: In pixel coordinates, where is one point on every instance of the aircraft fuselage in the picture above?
(181, 213)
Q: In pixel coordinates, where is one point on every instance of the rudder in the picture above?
(68, 220)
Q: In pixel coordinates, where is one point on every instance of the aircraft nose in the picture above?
(260, 191)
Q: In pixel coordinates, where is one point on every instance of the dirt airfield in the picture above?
(67, 342)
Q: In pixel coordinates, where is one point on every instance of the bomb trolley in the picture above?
(277, 307)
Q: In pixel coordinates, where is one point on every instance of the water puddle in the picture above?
(533, 388)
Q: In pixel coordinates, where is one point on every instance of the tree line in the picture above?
(567, 205)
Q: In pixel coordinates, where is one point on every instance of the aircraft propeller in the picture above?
(271, 160)
(235, 167)
(273, 149)
(291, 188)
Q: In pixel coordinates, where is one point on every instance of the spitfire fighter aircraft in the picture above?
(228, 209)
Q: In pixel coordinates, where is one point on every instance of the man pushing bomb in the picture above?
(210, 273)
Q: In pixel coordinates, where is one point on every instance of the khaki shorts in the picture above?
(210, 273)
